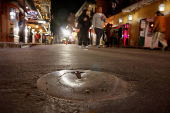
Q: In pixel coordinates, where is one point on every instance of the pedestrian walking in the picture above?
(115, 37)
(21, 29)
(84, 23)
(98, 22)
(30, 37)
(119, 36)
(37, 37)
(108, 34)
(51, 40)
(158, 31)
(104, 36)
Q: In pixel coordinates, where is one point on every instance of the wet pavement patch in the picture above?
(83, 85)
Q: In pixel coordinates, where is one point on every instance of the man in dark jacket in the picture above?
(84, 24)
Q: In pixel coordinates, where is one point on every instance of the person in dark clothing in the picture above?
(21, 29)
(30, 37)
(108, 34)
(119, 35)
(84, 22)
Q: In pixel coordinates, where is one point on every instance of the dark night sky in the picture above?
(62, 8)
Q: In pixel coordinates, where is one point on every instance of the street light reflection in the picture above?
(73, 82)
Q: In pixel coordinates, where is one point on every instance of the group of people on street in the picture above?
(112, 34)
(99, 19)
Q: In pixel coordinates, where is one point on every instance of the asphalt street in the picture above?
(147, 72)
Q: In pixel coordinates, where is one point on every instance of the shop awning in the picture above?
(37, 27)
(138, 5)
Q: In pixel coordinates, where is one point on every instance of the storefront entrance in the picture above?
(145, 33)
(125, 34)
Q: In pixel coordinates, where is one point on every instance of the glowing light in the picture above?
(29, 27)
(36, 26)
(162, 7)
(33, 30)
(66, 32)
(17, 30)
(130, 17)
(40, 30)
(120, 20)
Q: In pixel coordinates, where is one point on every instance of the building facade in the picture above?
(37, 19)
(137, 21)
(11, 12)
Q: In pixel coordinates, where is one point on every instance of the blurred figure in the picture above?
(119, 36)
(84, 21)
(37, 37)
(51, 40)
(71, 19)
(104, 36)
(30, 37)
(98, 22)
(158, 31)
(108, 34)
(21, 29)
(115, 37)
(112, 35)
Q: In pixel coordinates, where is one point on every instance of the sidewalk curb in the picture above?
(9, 45)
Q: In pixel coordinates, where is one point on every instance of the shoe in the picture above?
(165, 48)
(151, 48)
(98, 46)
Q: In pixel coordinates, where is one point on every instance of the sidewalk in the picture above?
(5, 45)
(136, 47)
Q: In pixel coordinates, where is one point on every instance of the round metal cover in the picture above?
(82, 85)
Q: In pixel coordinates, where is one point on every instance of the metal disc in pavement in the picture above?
(82, 85)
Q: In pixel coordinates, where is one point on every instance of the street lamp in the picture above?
(130, 17)
(29, 27)
(120, 20)
(162, 7)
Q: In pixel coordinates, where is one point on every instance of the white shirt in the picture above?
(100, 14)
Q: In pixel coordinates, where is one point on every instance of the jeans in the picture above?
(99, 33)
(83, 37)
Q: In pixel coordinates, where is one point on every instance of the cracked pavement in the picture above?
(147, 70)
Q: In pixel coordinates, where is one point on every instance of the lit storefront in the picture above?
(125, 34)
(140, 22)
(10, 19)
(13, 24)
